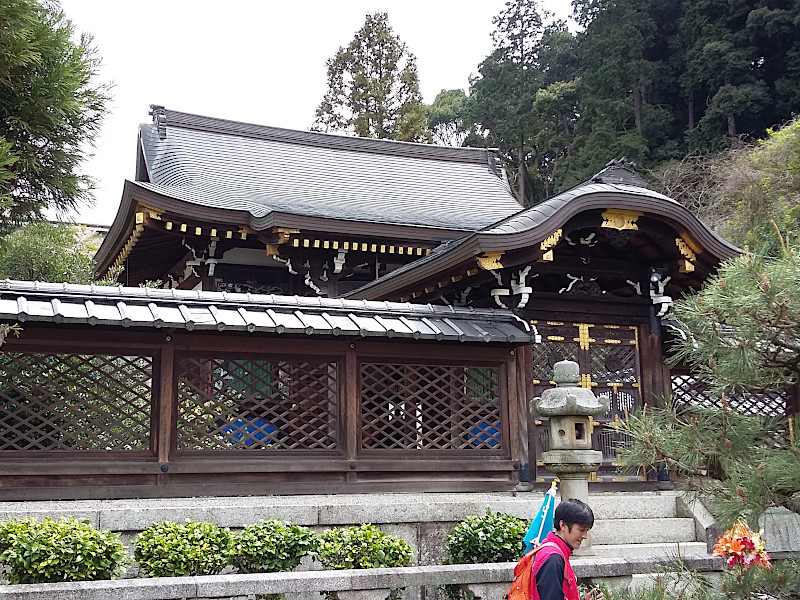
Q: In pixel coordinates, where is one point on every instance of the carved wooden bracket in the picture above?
(490, 261)
(620, 219)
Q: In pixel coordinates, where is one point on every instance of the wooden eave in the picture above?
(461, 256)
(135, 199)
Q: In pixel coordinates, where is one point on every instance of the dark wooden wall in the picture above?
(94, 413)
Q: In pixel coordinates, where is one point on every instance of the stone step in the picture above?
(651, 549)
(643, 531)
(645, 505)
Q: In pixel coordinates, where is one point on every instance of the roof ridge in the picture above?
(165, 118)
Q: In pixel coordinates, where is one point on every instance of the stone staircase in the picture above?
(647, 524)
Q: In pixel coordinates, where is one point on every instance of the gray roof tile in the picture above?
(27, 301)
(238, 166)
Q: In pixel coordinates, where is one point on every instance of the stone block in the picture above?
(648, 505)
(486, 591)
(224, 515)
(642, 531)
(135, 589)
(651, 549)
(781, 530)
(433, 537)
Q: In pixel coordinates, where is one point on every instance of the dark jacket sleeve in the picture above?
(550, 578)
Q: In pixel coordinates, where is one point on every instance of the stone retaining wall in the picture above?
(485, 581)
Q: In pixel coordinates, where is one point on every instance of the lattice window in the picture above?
(247, 404)
(614, 362)
(544, 439)
(72, 402)
(423, 407)
(689, 391)
(547, 354)
(609, 441)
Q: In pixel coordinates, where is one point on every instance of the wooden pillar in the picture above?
(655, 376)
(524, 393)
(351, 407)
(165, 408)
(512, 401)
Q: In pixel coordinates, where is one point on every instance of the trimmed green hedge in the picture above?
(494, 537)
(67, 549)
(168, 549)
(362, 547)
(271, 546)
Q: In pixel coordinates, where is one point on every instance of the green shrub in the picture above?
(66, 549)
(494, 537)
(174, 549)
(362, 547)
(271, 546)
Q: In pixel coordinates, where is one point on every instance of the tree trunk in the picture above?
(731, 118)
(637, 110)
(521, 170)
(731, 125)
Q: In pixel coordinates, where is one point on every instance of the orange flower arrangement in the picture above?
(740, 546)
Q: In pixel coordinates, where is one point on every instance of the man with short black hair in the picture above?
(552, 577)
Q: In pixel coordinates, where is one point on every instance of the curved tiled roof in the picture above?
(532, 225)
(69, 304)
(238, 166)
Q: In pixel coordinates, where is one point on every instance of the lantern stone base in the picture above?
(573, 468)
(572, 461)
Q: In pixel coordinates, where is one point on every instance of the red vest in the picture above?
(553, 544)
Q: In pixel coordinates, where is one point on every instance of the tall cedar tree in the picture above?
(373, 87)
(624, 99)
(50, 108)
(501, 96)
(724, 70)
(662, 79)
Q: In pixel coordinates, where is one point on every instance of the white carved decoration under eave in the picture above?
(464, 296)
(338, 261)
(324, 276)
(189, 269)
(310, 283)
(520, 288)
(497, 293)
(537, 337)
(589, 240)
(636, 285)
(207, 257)
(658, 286)
(574, 280)
(287, 262)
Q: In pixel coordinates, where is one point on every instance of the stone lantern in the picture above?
(568, 407)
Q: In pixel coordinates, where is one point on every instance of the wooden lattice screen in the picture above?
(149, 414)
(430, 407)
(608, 359)
(256, 404)
(74, 402)
(688, 390)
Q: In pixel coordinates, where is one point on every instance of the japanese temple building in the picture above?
(439, 307)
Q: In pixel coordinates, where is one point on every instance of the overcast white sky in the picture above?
(257, 61)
